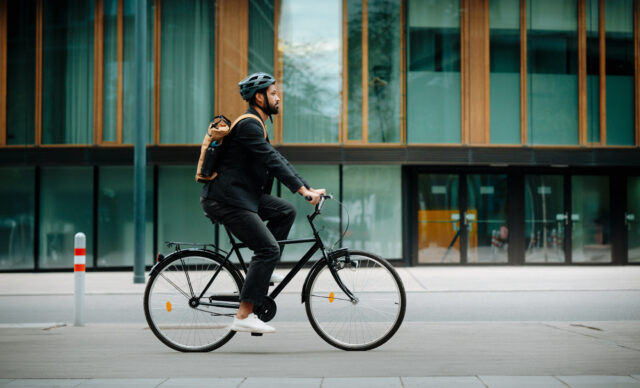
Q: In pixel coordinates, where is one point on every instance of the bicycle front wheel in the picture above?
(367, 322)
(178, 312)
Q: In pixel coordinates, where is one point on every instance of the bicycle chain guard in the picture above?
(267, 310)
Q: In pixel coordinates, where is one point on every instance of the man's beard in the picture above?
(271, 109)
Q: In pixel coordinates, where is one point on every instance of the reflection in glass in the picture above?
(552, 56)
(433, 79)
(384, 71)
(67, 72)
(187, 76)
(66, 208)
(310, 41)
(21, 71)
(590, 236)
(110, 84)
(486, 219)
(438, 218)
(354, 74)
(620, 72)
(372, 195)
(504, 23)
(115, 217)
(593, 72)
(129, 72)
(544, 219)
(17, 203)
(261, 41)
(180, 217)
(633, 219)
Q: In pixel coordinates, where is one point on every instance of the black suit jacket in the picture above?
(247, 165)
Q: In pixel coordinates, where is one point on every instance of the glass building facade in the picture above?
(453, 132)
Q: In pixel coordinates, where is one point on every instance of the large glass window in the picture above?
(67, 72)
(545, 219)
(328, 223)
(590, 236)
(384, 70)
(187, 70)
(66, 208)
(593, 71)
(354, 74)
(16, 218)
(504, 23)
(632, 219)
(110, 85)
(261, 37)
(21, 63)
(372, 195)
(620, 72)
(116, 231)
(433, 79)
(180, 217)
(310, 41)
(552, 72)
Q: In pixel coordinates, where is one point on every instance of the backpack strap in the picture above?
(249, 115)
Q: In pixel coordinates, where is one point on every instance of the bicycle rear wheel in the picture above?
(176, 313)
(366, 323)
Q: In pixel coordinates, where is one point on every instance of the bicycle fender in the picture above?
(306, 285)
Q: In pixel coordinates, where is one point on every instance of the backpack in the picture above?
(210, 150)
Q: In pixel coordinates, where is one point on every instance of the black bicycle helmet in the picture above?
(253, 83)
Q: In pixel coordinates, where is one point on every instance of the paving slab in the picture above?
(600, 381)
(442, 382)
(201, 382)
(278, 382)
(521, 381)
(109, 383)
(362, 382)
(49, 383)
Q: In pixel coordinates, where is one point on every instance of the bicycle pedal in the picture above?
(256, 334)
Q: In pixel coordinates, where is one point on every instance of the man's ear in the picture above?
(259, 99)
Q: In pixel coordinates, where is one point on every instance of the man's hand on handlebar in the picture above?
(312, 196)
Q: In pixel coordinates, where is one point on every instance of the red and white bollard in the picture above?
(79, 262)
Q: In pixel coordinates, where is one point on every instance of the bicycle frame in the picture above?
(235, 247)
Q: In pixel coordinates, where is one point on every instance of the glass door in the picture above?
(590, 215)
(631, 219)
(462, 218)
(485, 218)
(438, 218)
(546, 219)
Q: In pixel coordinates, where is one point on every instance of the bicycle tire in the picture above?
(367, 323)
(166, 301)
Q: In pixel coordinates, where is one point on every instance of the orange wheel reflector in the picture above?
(169, 306)
(331, 296)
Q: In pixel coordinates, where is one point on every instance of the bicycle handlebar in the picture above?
(321, 203)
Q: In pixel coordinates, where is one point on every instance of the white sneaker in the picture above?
(276, 278)
(251, 324)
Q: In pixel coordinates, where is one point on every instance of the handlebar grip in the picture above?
(307, 197)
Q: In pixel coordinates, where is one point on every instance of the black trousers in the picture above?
(249, 228)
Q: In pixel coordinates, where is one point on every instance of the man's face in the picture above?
(273, 100)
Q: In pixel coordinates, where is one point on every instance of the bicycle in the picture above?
(354, 300)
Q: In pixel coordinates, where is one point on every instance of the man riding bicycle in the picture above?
(239, 196)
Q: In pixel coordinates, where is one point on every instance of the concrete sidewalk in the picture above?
(350, 382)
(415, 279)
